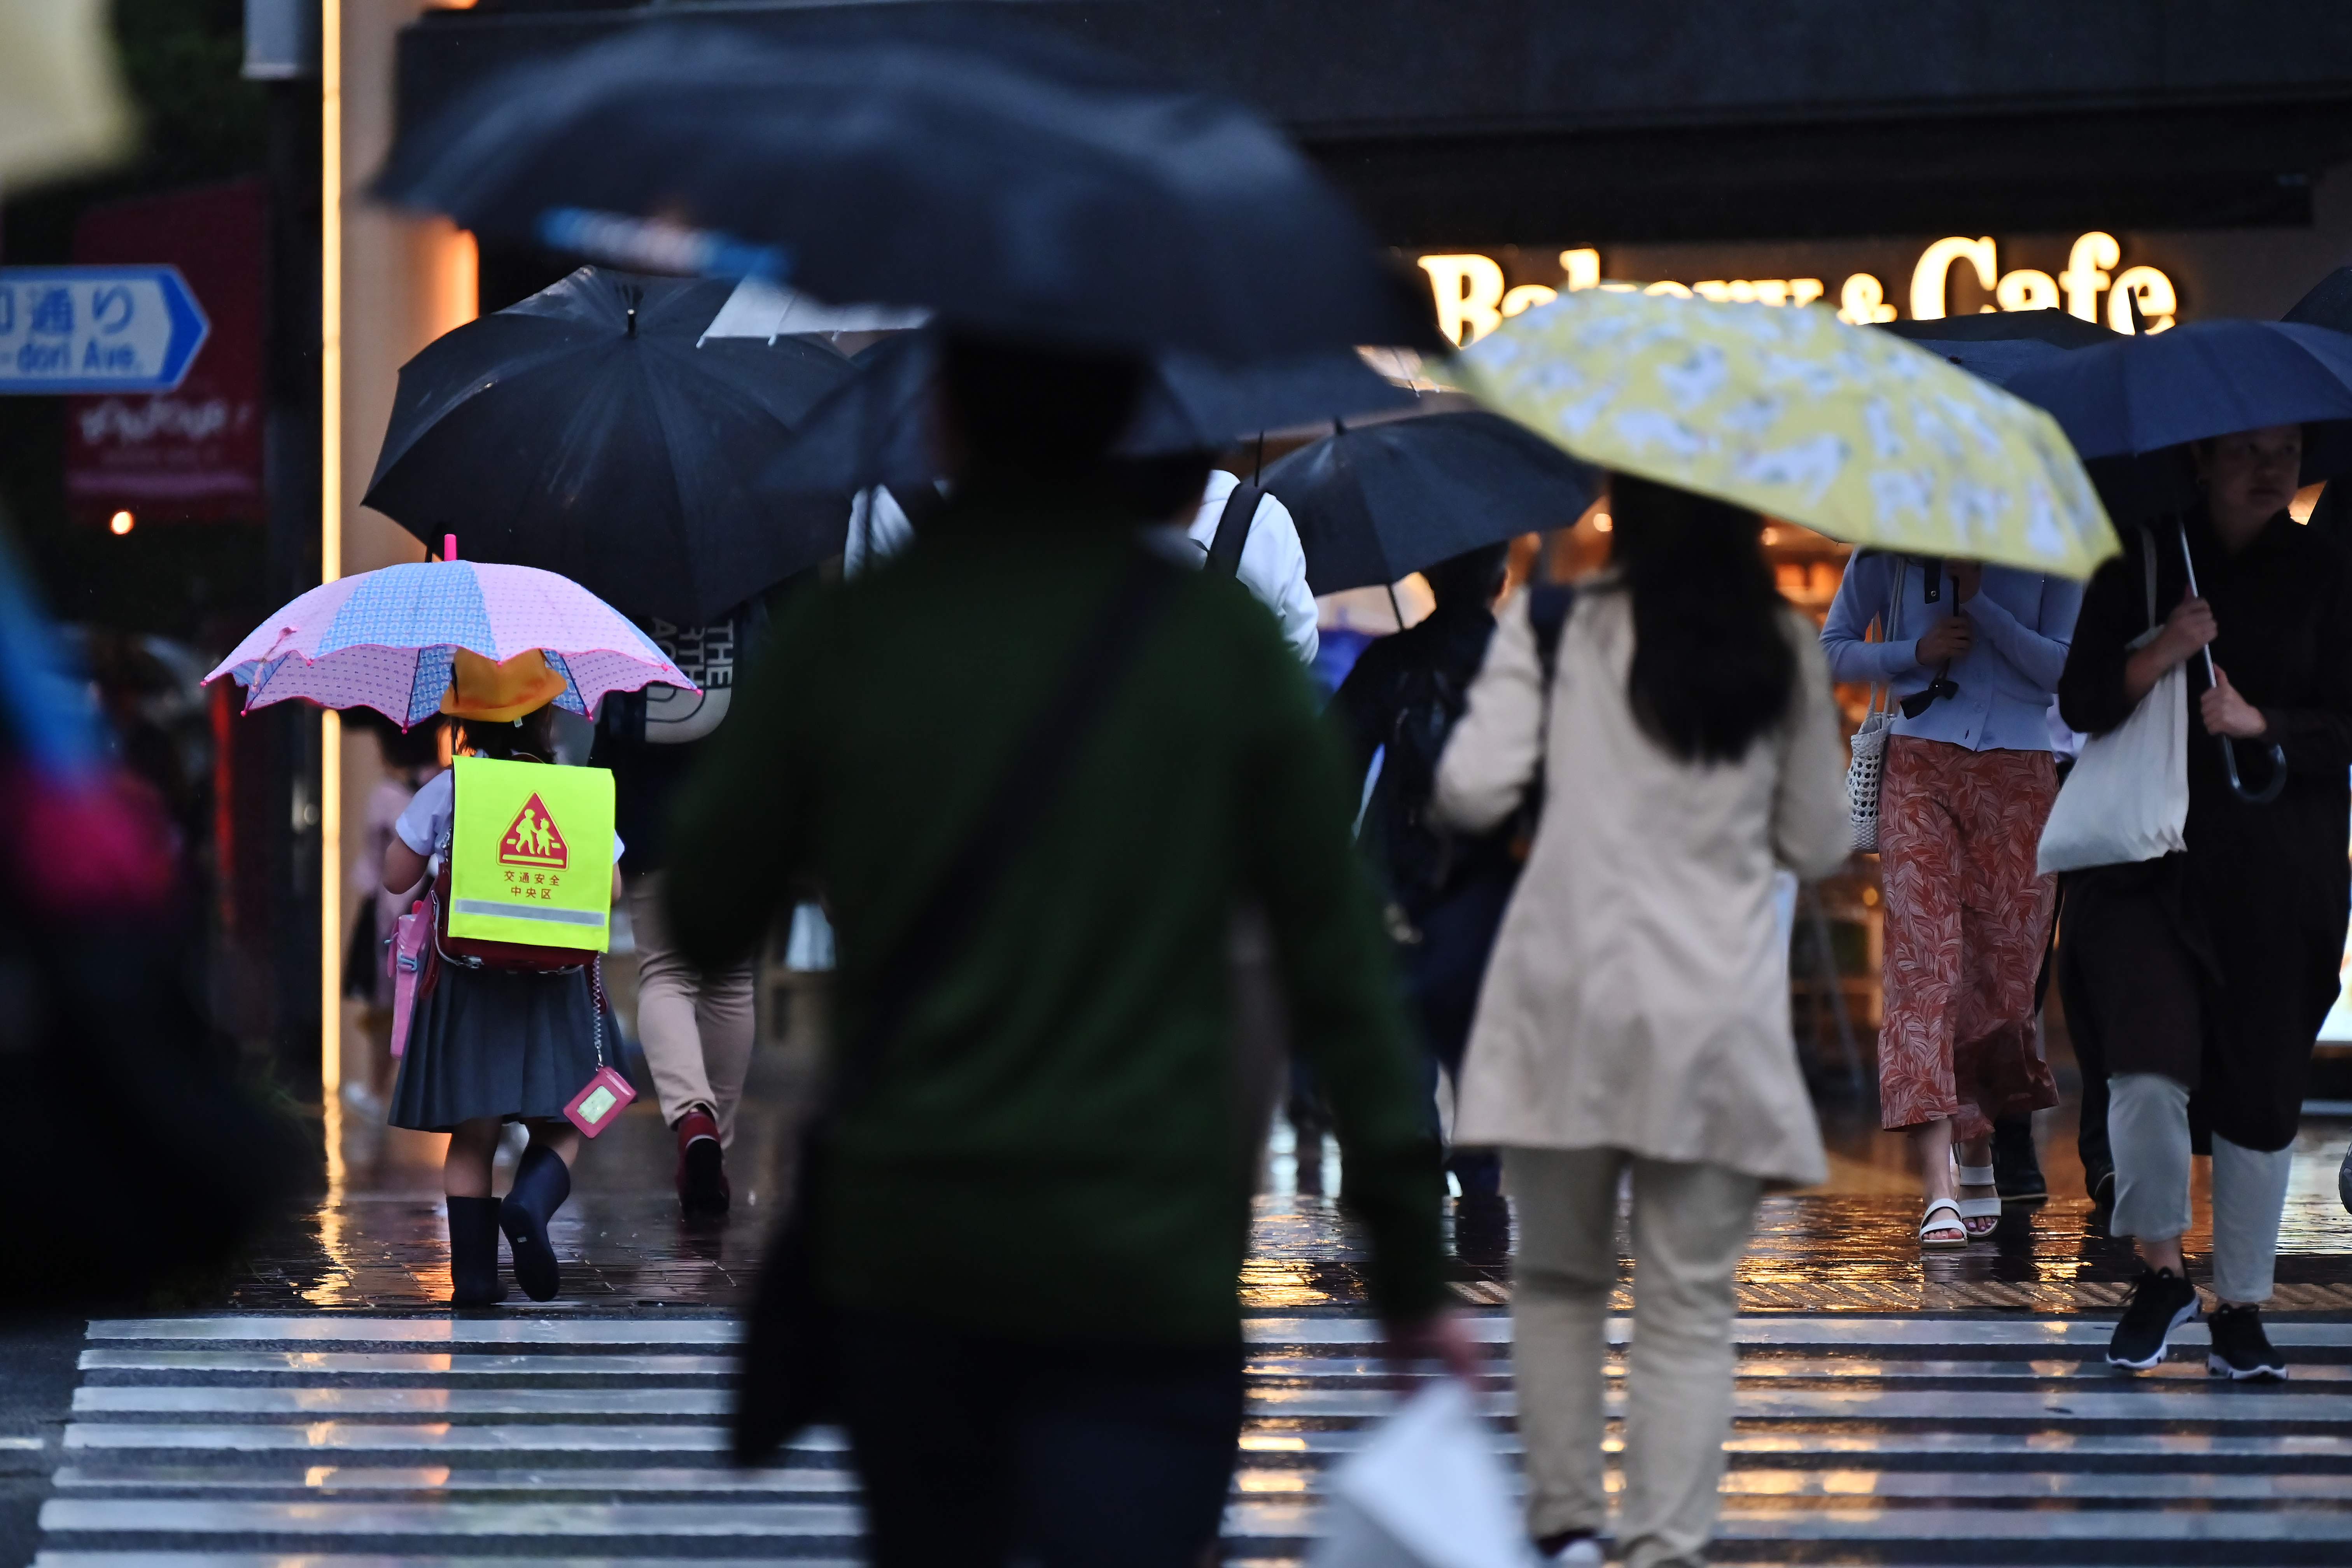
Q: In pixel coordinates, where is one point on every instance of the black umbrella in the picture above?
(1017, 186)
(876, 429)
(582, 431)
(1376, 503)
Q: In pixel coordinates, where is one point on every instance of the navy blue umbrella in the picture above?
(2140, 394)
(1024, 187)
(1377, 503)
(876, 429)
(583, 431)
(2052, 326)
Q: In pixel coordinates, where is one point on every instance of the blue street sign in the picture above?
(97, 329)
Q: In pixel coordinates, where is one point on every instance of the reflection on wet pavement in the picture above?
(378, 1240)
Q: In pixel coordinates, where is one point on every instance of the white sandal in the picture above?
(1930, 1224)
(1987, 1209)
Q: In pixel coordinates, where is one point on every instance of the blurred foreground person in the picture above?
(1446, 890)
(1970, 655)
(1635, 1016)
(139, 1160)
(2196, 982)
(488, 1046)
(1034, 768)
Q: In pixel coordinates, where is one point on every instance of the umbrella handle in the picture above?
(2269, 792)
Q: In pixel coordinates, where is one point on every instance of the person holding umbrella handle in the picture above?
(2197, 981)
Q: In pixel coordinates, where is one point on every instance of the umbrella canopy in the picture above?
(1027, 188)
(2201, 379)
(1790, 411)
(583, 432)
(2329, 304)
(390, 640)
(1375, 504)
(877, 429)
(62, 107)
(2052, 326)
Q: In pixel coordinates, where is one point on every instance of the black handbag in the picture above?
(790, 1374)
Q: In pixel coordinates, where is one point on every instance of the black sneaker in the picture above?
(2240, 1349)
(2100, 1185)
(2161, 1303)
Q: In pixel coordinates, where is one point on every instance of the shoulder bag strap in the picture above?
(1040, 762)
(1234, 528)
(1547, 608)
(1885, 688)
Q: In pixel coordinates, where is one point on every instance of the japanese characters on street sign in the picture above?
(97, 329)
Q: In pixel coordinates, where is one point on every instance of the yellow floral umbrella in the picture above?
(1790, 411)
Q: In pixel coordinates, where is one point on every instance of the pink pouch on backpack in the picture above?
(607, 1093)
(410, 934)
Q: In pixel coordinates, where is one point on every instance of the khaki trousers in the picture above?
(695, 1026)
(1690, 1224)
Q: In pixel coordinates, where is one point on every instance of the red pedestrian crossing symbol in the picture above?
(533, 840)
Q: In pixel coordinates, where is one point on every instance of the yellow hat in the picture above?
(497, 693)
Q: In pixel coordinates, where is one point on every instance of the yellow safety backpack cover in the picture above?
(531, 854)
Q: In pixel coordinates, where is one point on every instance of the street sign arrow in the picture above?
(97, 329)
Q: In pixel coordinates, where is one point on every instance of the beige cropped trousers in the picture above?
(695, 1026)
(1690, 1224)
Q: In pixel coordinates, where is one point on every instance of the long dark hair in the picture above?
(1712, 664)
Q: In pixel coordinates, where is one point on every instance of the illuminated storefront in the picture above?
(1474, 293)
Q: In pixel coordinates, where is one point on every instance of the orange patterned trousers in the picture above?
(1966, 920)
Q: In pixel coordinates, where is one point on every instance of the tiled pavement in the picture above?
(352, 1440)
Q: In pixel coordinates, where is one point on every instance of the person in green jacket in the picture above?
(1036, 1199)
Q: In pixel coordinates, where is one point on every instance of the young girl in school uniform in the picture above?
(487, 1047)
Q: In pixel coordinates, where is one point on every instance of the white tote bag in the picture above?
(1427, 1491)
(2127, 798)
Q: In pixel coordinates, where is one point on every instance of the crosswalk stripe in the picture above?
(366, 1441)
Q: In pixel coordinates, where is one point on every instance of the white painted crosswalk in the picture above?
(326, 1440)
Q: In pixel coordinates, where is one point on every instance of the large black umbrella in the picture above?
(584, 432)
(1377, 502)
(876, 428)
(1033, 190)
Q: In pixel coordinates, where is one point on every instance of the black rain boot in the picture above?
(541, 1182)
(474, 1252)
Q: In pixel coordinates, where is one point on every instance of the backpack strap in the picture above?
(1547, 608)
(1234, 528)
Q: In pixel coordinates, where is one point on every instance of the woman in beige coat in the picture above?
(1636, 1011)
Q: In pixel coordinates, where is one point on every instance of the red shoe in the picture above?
(702, 1189)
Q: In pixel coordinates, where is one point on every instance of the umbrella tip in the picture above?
(632, 320)
(448, 547)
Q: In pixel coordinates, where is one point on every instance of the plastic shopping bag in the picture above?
(1427, 1492)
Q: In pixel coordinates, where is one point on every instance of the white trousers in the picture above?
(2147, 1134)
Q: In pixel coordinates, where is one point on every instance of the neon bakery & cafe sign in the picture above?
(1474, 295)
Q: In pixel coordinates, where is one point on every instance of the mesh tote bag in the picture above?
(1863, 776)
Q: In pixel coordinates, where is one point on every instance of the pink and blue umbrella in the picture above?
(386, 639)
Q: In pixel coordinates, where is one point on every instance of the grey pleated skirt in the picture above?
(494, 1043)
